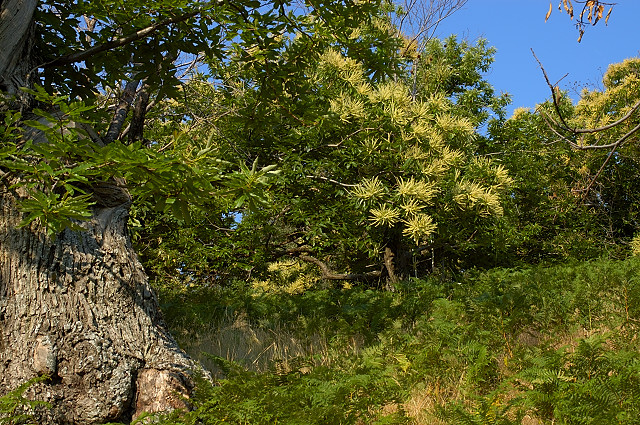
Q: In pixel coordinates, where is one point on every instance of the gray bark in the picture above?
(81, 310)
(16, 28)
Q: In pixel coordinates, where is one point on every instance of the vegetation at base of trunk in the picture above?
(16, 409)
(508, 346)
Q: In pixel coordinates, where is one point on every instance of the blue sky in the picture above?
(516, 26)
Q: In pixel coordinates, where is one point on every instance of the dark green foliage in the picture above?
(587, 384)
(545, 220)
(556, 344)
(332, 312)
(337, 395)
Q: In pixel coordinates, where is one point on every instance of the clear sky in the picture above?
(515, 27)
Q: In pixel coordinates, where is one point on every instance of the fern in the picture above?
(16, 409)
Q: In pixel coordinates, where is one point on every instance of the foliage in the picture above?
(555, 345)
(15, 408)
(367, 161)
(59, 178)
(590, 384)
(601, 156)
(545, 220)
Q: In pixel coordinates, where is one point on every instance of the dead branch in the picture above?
(557, 127)
(425, 17)
(595, 9)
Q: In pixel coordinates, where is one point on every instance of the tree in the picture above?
(603, 125)
(75, 302)
(545, 220)
(377, 173)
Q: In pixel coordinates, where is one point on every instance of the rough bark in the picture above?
(81, 310)
(16, 28)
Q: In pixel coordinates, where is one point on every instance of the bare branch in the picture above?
(303, 253)
(564, 126)
(552, 124)
(552, 87)
(331, 181)
(425, 16)
(329, 274)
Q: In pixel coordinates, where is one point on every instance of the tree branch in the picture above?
(122, 109)
(302, 252)
(329, 274)
(615, 147)
(331, 181)
(118, 42)
(556, 105)
(136, 127)
(562, 125)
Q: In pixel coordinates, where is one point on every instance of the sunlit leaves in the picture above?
(248, 186)
(369, 190)
(348, 108)
(413, 144)
(55, 212)
(411, 207)
(60, 172)
(384, 215)
(418, 189)
(601, 108)
(470, 195)
(419, 227)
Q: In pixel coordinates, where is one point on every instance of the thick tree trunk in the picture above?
(16, 29)
(80, 310)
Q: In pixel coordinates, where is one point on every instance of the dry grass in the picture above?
(258, 349)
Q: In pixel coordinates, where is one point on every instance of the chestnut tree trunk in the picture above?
(79, 308)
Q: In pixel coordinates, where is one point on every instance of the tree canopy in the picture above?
(311, 134)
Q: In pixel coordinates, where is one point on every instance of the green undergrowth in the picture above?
(540, 345)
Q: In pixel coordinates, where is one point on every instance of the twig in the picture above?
(553, 92)
(118, 42)
(331, 181)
